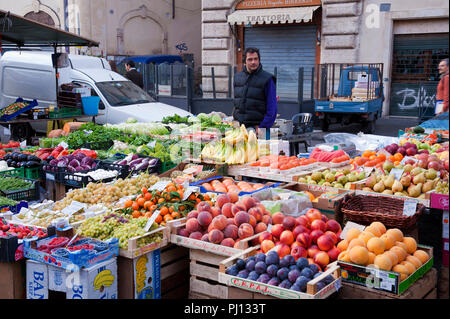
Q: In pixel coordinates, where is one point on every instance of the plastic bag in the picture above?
(361, 141)
(290, 204)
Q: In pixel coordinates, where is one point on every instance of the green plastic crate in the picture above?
(65, 112)
(15, 172)
(167, 166)
(32, 173)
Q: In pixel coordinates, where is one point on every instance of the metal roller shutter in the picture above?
(288, 48)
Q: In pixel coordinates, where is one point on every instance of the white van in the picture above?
(30, 75)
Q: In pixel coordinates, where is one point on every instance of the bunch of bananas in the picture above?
(104, 279)
(141, 268)
(237, 147)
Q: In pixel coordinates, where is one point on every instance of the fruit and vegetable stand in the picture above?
(201, 216)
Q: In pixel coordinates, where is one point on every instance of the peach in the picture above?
(229, 242)
(237, 208)
(226, 210)
(287, 237)
(333, 236)
(183, 232)
(219, 222)
(371, 258)
(210, 227)
(313, 250)
(215, 211)
(343, 245)
(315, 234)
(333, 253)
(313, 214)
(365, 236)
(204, 218)
(298, 252)
(267, 245)
(277, 218)
(205, 237)
(245, 230)
(230, 221)
(300, 229)
(410, 266)
(376, 245)
(318, 224)
(333, 226)
(415, 261)
(215, 236)
(411, 244)
(260, 227)
(321, 258)
(277, 230)
(234, 197)
(252, 221)
(343, 256)
(402, 270)
(267, 219)
(248, 202)
(192, 225)
(196, 235)
(222, 199)
(356, 242)
(192, 214)
(203, 206)
(237, 244)
(231, 231)
(241, 218)
(324, 218)
(265, 236)
(256, 212)
(325, 242)
(304, 239)
(282, 250)
(359, 255)
(289, 223)
(401, 244)
(303, 220)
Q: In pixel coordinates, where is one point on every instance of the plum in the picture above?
(272, 270)
(260, 257)
(274, 281)
(328, 279)
(315, 269)
(302, 262)
(250, 266)
(260, 267)
(282, 273)
(293, 275)
(240, 263)
(284, 262)
(302, 281)
(232, 271)
(253, 275)
(263, 278)
(295, 287)
(307, 272)
(285, 284)
(320, 285)
(243, 273)
(272, 258)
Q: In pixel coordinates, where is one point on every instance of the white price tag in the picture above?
(409, 207)
(152, 144)
(73, 208)
(387, 283)
(408, 158)
(397, 172)
(49, 177)
(368, 170)
(151, 220)
(159, 186)
(23, 143)
(189, 191)
(350, 225)
(64, 144)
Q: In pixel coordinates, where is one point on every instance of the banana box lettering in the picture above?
(96, 282)
(37, 280)
(147, 276)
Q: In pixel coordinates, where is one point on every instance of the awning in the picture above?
(275, 16)
(157, 59)
(25, 33)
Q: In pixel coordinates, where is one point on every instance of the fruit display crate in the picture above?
(181, 166)
(14, 209)
(20, 171)
(80, 181)
(259, 290)
(174, 272)
(382, 280)
(32, 172)
(29, 195)
(133, 251)
(81, 258)
(221, 178)
(30, 105)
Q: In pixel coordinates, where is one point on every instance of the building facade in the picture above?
(408, 36)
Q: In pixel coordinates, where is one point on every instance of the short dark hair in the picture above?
(130, 63)
(446, 61)
(250, 50)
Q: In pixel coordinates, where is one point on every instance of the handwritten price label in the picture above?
(151, 220)
(409, 207)
(397, 173)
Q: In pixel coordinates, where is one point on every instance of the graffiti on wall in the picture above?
(411, 98)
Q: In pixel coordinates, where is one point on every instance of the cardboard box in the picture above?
(12, 280)
(378, 279)
(439, 201)
(56, 279)
(37, 280)
(140, 278)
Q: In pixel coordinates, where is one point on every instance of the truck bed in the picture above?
(370, 106)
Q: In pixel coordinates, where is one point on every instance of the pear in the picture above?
(367, 189)
(316, 176)
(327, 184)
(416, 171)
(421, 196)
(399, 194)
(348, 186)
(361, 176)
(371, 181)
(408, 168)
(430, 174)
(389, 181)
(342, 180)
(346, 170)
(405, 193)
(397, 187)
(338, 185)
(388, 192)
(379, 178)
(415, 190)
(352, 177)
(379, 187)
(428, 186)
(302, 180)
(405, 180)
(330, 178)
(387, 166)
(320, 183)
(419, 179)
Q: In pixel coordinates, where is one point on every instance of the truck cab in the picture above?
(349, 94)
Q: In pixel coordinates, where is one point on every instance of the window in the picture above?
(120, 93)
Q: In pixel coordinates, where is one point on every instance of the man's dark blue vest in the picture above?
(249, 96)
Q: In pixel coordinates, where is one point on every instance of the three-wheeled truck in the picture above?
(349, 93)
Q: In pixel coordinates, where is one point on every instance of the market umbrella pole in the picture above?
(56, 72)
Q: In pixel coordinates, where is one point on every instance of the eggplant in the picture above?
(142, 165)
(15, 156)
(135, 162)
(122, 162)
(152, 162)
(22, 157)
(7, 156)
(134, 157)
(14, 164)
(8, 161)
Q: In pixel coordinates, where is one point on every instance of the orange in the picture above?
(381, 156)
(171, 188)
(144, 190)
(128, 203)
(148, 214)
(141, 202)
(175, 215)
(164, 210)
(421, 255)
(168, 217)
(153, 207)
(398, 157)
(206, 197)
(147, 196)
(158, 219)
(148, 204)
(135, 206)
(136, 214)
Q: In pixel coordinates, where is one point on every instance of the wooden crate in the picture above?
(174, 272)
(421, 289)
(133, 251)
(12, 280)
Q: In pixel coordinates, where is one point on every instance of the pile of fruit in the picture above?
(285, 272)
(386, 249)
(226, 223)
(228, 185)
(282, 163)
(311, 236)
(10, 144)
(107, 194)
(338, 156)
(169, 202)
(9, 229)
(338, 178)
(120, 226)
(13, 108)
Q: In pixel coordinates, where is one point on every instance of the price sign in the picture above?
(151, 220)
(189, 190)
(409, 207)
(397, 172)
(49, 177)
(152, 144)
(23, 143)
(159, 186)
(350, 225)
(64, 144)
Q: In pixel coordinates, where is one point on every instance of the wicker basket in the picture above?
(387, 210)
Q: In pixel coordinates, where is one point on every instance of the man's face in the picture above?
(252, 62)
(443, 67)
(127, 67)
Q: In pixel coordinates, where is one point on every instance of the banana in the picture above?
(105, 278)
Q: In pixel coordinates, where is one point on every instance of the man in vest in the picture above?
(255, 101)
(443, 88)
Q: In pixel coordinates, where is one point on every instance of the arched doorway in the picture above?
(41, 17)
